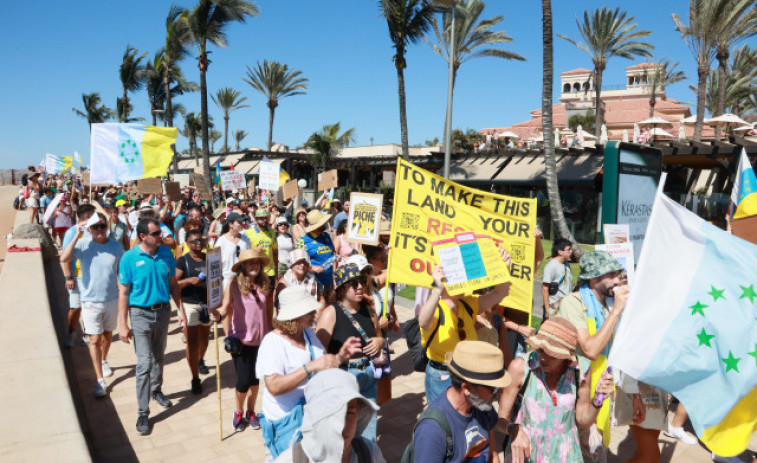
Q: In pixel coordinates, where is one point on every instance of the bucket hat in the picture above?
(345, 274)
(316, 219)
(478, 362)
(557, 337)
(594, 264)
(297, 255)
(250, 254)
(326, 397)
(294, 302)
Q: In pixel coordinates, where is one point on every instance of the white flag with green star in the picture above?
(690, 324)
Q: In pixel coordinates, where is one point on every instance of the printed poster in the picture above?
(364, 220)
(428, 208)
(232, 180)
(214, 274)
(623, 253)
(269, 175)
(470, 262)
(616, 233)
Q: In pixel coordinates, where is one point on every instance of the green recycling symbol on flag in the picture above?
(128, 151)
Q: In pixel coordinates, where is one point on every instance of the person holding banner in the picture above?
(445, 320)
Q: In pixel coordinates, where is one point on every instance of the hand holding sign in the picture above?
(472, 262)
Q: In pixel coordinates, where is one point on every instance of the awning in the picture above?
(252, 167)
(227, 161)
(581, 168)
(187, 164)
(474, 169)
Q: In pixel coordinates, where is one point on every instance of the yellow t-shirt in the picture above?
(267, 239)
(447, 337)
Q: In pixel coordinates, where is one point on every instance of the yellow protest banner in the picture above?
(427, 208)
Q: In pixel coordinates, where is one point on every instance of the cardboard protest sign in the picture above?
(623, 253)
(232, 180)
(289, 189)
(470, 262)
(132, 193)
(745, 228)
(251, 187)
(173, 191)
(85, 178)
(199, 183)
(428, 207)
(150, 186)
(364, 220)
(327, 180)
(214, 274)
(269, 175)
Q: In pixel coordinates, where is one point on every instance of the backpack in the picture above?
(415, 341)
(24, 179)
(17, 203)
(408, 456)
(358, 444)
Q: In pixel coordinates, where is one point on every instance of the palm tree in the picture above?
(326, 142)
(192, 128)
(124, 110)
(207, 22)
(550, 161)
(473, 37)
(214, 135)
(176, 49)
(587, 121)
(608, 33)
(94, 111)
(132, 74)
(154, 84)
(740, 82)
(738, 22)
(663, 74)
(240, 135)
(408, 21)
(275, 81)
(700, 36)
(228, 100)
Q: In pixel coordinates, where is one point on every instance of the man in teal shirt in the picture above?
(146, 282)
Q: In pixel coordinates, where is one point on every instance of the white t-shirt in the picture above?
(62, 220)
(277, 355)
(229, 255)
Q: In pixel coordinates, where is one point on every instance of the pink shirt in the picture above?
(249, 321)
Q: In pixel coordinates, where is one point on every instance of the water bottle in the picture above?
(201, 276)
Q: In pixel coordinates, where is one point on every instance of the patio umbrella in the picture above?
(727, 121)
(743, 128)
(603, 138)
(507, 134)
(654, 122)
(636, 132)
(691, 120)
(657, 132)
(624, 139)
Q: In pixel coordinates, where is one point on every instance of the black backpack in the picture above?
(408, 456)
(24, 179)
(415, 341)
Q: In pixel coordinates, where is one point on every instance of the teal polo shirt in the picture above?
(147, 275)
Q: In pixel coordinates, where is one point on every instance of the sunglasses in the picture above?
(155, 233)
(362, 281)
(98, 226)
(492, 390)
(198, 241)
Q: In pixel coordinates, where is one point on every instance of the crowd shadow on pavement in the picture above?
(396, 421)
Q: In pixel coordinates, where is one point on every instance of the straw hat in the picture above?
(299, 211)
(385, 228)
(218, 213)
(294, 302)
(478, 362)
(316, 219)
(250, 254)
(557, 337)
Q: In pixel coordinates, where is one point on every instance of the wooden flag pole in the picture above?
(218, 383)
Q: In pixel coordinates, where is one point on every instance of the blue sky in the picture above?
(50, 58)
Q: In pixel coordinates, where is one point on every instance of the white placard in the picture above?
(183, 179)
(623, 253)
(454, 266)
(364, 218)
(232, 180)
(214, 275)
(269, 175)
(616, 233)
(51, 207)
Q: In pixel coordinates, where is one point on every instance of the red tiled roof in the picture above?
(640, 66)
(576, 71)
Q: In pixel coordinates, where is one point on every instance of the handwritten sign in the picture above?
(150, 186)
(214, 274)
(269, 175)
(232, 180)
(616, 233)
(199, 183)
(289, 189)
(327, 180)
(173, 191)
(470, 262)
(364, 219)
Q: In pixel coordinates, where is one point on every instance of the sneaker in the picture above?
(107, 371)
(681, 435)
(161, 398)
(69, 340)
(101, 388)
(253, 420)
(238, 422)
(719, 459)
(202, 368)
(196, 386)
(143, 424)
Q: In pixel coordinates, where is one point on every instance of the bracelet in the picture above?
(437, 291)
(307, 372)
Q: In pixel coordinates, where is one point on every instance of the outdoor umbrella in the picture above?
(624, 139)
(654, 122)
(657, 132)
(727, 121)
(691, 120)
(507, 134)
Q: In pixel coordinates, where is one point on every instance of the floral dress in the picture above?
(550, 422)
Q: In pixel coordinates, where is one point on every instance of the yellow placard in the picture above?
(470, 262)
(428, 208)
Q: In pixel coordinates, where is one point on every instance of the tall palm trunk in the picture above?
(600, 113)
(722, 58)
(553, 190)
(168, 114)
(125, 107)
(403, 112)
(226, 134)
(203, 65)
(154, 116)
(271, 111)
(193, 150)
(702, 73)
(652, 102)
(446, 121)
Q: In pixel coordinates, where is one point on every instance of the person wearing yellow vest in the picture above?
(263, 238)
(594, 310)
(446, 320)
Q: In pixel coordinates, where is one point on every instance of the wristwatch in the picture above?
(69, 278)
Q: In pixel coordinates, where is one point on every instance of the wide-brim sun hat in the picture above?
(316, 219)
(361, 262)
(261, 213)
(120, 202)
(218, 213)
(146, 208)
(385, 228)
(478, 362)
(345, 274)
(327, 396)
(294, 302)
(250, 254)
(594, 264)
(557, 337)
(234, 217)
(282, 221)
(296, 256)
